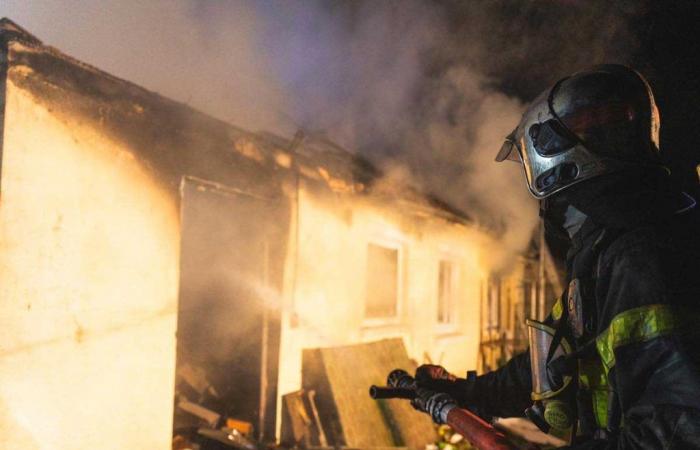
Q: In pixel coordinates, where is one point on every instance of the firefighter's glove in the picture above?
(436, 404)
(437, 379)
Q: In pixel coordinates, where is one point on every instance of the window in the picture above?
(382, 282)
(446, 293)
(494, 300)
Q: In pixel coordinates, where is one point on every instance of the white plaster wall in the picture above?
(89, 254)
(329, 291)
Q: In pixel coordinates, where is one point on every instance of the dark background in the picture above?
(539, 42)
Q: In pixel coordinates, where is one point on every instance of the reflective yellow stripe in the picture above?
(557, 309)
(635, 325)
(600, 406)
(592, 378)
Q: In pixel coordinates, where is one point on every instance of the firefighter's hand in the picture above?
(436, 404)
(438, 379)
(431, 372)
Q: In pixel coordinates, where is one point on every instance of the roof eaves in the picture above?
(10, 31)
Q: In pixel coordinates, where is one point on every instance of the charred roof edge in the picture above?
(10, 31)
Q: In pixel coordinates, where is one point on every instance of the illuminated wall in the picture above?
(89, 257)
(325, 302)
(89, 248)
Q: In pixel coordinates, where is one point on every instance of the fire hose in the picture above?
(477, 431)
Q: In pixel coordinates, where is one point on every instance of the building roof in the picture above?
(178, 140)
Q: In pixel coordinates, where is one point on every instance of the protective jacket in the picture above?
(632, 310)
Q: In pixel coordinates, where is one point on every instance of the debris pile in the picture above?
(197, 424)
(332, 410)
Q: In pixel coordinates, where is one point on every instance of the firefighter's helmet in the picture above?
(595, 122)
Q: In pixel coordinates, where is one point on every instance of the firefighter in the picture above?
(617, 361)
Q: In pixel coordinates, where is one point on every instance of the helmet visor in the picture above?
(509, 150)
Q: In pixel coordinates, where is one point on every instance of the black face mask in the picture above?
(552, 212)
(625, 199)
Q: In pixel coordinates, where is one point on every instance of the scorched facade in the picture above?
(140, 239)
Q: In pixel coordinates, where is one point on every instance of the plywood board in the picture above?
(342, 376)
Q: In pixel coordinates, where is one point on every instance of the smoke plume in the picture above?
(430, 86)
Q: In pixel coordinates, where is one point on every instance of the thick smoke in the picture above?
(206, 54)
(429, 86)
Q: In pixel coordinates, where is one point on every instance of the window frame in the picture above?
(452, 324)
(400, 251)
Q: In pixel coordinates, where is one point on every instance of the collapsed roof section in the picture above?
(176, 140)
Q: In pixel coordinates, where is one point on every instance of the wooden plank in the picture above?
(342, 376)
(300, 427)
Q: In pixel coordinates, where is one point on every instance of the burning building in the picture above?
(143, 241)
(528, 290)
